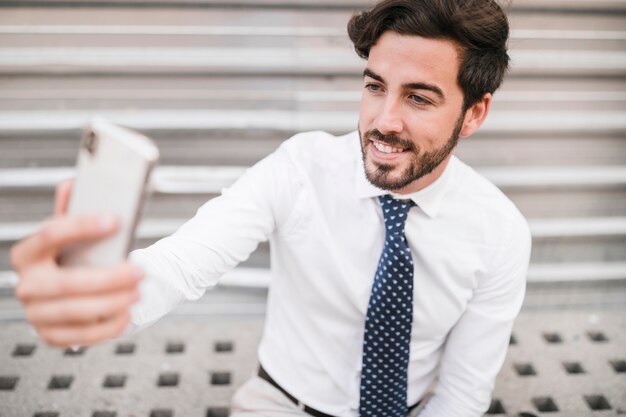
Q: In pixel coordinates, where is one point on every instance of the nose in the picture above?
(389, 121)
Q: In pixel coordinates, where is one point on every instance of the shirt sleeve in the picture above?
(477, 344)
(223, 233)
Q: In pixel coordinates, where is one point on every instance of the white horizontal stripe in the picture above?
(184, 120)
(567, 59)
(576, 272)
(540, 228)
(194, 180)
(617, 35)
(209, 180)
(599, 226)
(310, 31)
(148, 229)
(295, 121)
(239, 277)
(555, 176)
(277, 59)
(553, 272)
(187, 95)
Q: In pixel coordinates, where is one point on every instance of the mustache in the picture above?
(391, 140)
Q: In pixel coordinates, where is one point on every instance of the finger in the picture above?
(49, 283)
(62, 197)
(80, 310)
(60, 232)
(65, 336)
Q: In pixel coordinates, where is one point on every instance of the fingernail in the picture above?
(106, 222)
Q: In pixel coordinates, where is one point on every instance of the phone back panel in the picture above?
(113, 168)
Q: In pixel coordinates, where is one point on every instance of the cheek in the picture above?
(367, 112)
(429, 128)
(422, 128)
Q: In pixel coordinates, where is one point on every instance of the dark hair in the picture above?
(479, 28)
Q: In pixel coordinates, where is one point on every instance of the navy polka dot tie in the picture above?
(388, 321)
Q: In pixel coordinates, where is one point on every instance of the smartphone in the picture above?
(113, 171)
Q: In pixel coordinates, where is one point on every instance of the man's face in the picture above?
(411, 111)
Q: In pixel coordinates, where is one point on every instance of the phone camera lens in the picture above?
(91, 142)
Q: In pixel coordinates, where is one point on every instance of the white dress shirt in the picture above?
(311, 200)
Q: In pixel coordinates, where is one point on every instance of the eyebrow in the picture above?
(409, 86)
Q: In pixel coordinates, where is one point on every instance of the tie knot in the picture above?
(395, 213)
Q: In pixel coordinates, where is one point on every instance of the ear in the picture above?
(476, 115)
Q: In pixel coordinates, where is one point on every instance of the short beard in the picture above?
(422, 164)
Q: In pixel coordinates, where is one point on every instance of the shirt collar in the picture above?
(428, 199)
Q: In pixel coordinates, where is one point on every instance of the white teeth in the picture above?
(386, 148)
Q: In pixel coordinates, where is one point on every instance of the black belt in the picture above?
(264, 375)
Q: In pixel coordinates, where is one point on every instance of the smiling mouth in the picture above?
(384, 148)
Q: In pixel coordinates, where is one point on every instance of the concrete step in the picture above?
(589, 249)
(573, 202)
(210, 180)
(244, 291)
(590, 240)
(18, 206)
(280, 61)
(26, 194)
(504, 122)
(317, 95)
(264, 86)
(301, 31)
(539, 275)
(215, 147)
(149, 231)
(541, 229)
(186, 21)
(201, 137)
(578, 150)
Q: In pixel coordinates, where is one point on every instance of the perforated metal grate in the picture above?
(564, 364)
(558, 364)
(175, 368)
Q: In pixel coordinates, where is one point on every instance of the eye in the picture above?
(374, 88)
(419, 100)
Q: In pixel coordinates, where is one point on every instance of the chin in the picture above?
(385, 176)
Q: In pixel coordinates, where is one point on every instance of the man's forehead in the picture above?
(438, 48)
(408, 59)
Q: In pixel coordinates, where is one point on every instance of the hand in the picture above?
(73, 306)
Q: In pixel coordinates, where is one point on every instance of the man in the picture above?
(349, 331)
